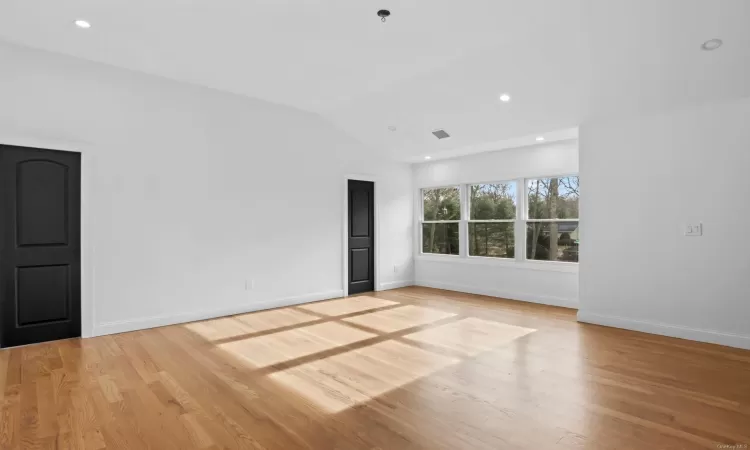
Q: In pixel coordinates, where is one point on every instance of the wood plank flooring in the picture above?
(412, 368)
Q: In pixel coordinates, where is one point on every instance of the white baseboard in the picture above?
(395, 285)
(524, 297)
(663, 329)
(123, 326)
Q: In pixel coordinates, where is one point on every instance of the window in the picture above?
(441, 215)
(492, 214)
(552, 223)
(523, 219)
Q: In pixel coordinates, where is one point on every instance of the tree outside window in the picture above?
(552, 226)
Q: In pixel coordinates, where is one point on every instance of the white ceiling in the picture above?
(433, 64)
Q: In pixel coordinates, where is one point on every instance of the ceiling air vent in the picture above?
(441, 134)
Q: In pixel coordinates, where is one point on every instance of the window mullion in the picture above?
(519, 230)
(463, 227)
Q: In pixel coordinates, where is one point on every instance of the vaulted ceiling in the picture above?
(433, 64)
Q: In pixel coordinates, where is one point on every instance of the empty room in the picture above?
(343, 225)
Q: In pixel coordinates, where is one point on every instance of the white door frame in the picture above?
(345, 229)
(23, 139)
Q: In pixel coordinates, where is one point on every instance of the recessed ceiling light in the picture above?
(392, 128)
(428, 157)
(711, 44)
(540, 138)
(505, 98)
(82, 24)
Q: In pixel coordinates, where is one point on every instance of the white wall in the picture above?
(644, 179)
(189, 192)
(548, 283)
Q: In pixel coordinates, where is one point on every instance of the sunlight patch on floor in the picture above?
(341, 381)
(226, 327)
(277, 318)
(283, 346)
(347, 305)
(229, 327)
(401, 318)
(470, 336)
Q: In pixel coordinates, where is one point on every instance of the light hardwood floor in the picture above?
(412, 368)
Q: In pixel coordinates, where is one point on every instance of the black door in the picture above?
(361, 236)
(40, 245)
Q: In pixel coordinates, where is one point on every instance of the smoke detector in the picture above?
(441, 134)
(711, 44)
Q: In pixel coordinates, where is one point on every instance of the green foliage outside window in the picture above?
(441, 204)
(491, 202)
(550, 199)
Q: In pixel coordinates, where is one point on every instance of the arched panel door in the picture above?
(40, 238)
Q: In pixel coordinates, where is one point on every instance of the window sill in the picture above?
(547, 266)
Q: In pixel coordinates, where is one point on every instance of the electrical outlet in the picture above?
(694, 229)
(249, 285)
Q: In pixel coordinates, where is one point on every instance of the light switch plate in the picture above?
(694, 229)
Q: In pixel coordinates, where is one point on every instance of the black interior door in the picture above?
(40, 245)
(361, 236)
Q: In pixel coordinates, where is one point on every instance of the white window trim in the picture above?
(521, 221)
(549, 266)
(469, 220)
(525, 221)
(459, 221)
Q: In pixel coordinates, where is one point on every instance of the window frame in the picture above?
(525, 220)
(458, 221)
(519, 231)
(467, 188)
